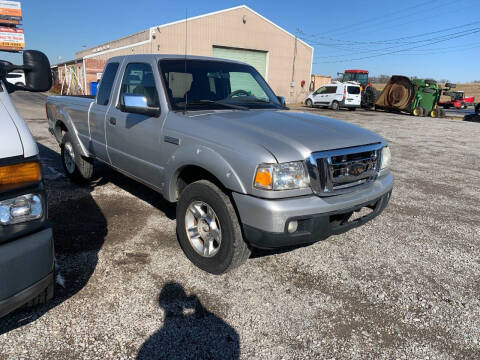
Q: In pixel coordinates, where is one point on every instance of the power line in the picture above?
(425, 42)
(371, 20)
(401, 50)
(348, 42)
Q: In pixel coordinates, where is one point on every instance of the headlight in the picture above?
(285, 176)
(386, 158)
(20, 209)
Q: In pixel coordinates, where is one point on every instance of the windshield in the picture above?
(205, 84)
(358, 77)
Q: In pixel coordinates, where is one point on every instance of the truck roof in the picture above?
(158, 57)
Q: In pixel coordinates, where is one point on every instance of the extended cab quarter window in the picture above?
(106, 83)
(138, 79)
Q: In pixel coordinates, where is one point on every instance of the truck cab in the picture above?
(26, 241)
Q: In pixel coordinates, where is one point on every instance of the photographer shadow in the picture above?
(189, 330)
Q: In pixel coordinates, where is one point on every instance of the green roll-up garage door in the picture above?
(258, 59)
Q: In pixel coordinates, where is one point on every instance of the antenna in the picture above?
(185, 70)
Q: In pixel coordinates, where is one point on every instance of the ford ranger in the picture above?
(211, 135)
(26, 243)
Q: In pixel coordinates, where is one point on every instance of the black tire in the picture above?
(335, 105)
(309, 103)
(233, 250)
(441, 113)
(369, 97)
(82, 169)
(19, 84)
(418, 111)
(477, 109)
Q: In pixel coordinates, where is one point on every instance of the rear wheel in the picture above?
(434, 113)
(77, 167)
(335, 105)
(208, 229)
(441, 113)
(309, 103)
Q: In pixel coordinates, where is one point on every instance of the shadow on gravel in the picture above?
(189, 330)
(103, 174)
(79, 231)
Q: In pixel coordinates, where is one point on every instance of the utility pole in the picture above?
(292, 83)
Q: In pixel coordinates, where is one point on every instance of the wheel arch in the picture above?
(197, 164)
(63, 124)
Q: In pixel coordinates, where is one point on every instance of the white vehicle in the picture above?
(26, 240)
(336, 95)
(16, 77)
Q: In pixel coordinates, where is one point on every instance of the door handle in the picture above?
(113, 121)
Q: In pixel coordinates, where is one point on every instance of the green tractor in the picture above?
(418, 97)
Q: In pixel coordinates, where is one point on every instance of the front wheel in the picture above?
(335, 105)
(208, 229)
(309, 103)
(77, 168)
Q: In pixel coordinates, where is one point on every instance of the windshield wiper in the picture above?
(201, 102)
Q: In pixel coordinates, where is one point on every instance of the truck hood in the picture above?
(288, 135)
(9, 136)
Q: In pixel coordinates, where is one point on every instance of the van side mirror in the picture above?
(38, 75)
(137, 104)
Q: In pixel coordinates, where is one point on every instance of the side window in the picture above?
(138, 79)
(331, 90)
(106, 83)
(320, 90)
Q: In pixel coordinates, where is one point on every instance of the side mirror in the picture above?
(137, 104)
(36, 67)
(282, 101)
(38, 75)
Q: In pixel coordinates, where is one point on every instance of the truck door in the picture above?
(98, 112)
(133, 139)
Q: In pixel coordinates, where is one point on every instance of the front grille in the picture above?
(343, 170)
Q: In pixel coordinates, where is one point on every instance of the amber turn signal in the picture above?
(263, 178)
(19, 174)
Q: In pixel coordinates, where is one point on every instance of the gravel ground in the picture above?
(405, 285)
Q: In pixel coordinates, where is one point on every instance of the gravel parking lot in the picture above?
(406, 285)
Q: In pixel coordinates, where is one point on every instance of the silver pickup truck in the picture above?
(211, 135)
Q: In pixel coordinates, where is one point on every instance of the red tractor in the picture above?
(369, 93)
(457, 98)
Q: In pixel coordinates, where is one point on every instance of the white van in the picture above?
(336, 95)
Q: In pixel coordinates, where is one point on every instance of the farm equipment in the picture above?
(369, 93)
(457, 98)
(418, 97)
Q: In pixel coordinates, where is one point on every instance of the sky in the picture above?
(429, 39)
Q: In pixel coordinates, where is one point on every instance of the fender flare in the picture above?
(60, 116)
(205, 158)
